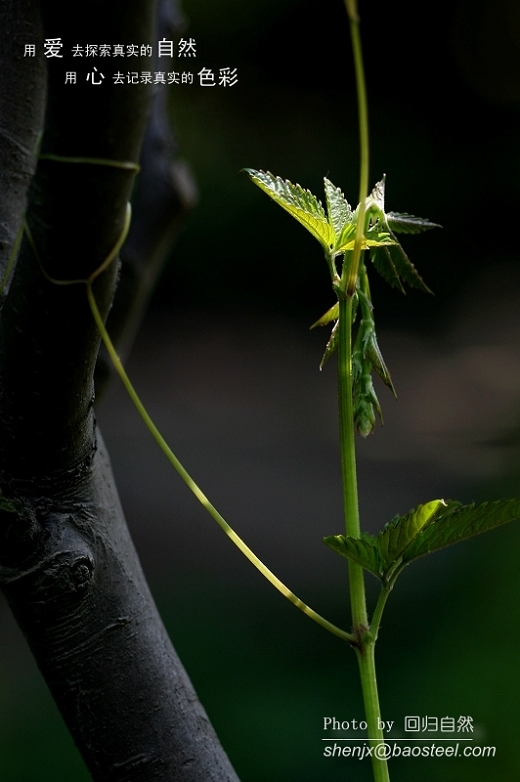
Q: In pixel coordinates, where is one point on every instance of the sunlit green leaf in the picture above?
(300, 203)
(337, 231)
(425, 529)
(328, 317)
(377, 196)
(400, 533)
(460, 522)
(338, 208)
(348, 238)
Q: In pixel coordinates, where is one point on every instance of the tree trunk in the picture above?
(67, 565)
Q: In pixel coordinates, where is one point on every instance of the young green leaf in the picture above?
(384, 264)
(346, 239)
(459, 522)
(373, 352)
(396, 538)
(366, 341)
(377, 196)
(365, 403)
(408, 224)
(338, 208)
(328, 317)
(300, 203)
(386, 554)
(361, 550)
(405, 267)
(393, 263)
(331, 346)
(425, 529)
(366, 356)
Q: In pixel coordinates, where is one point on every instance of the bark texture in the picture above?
(67, 564)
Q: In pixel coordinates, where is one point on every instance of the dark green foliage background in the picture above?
(444, 114)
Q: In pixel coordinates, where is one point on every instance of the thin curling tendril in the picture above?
(176, 464)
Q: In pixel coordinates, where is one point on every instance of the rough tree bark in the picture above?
(67, 564)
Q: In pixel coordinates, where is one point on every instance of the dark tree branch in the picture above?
(22, 94)
(67, 564)
(164, 193)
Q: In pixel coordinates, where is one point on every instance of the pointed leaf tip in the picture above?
(409, 224)
(377, 196)
(330, 315)
(362, 550)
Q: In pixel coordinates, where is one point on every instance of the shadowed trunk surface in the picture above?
(67, 564)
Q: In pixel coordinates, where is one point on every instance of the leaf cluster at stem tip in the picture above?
(335, 229)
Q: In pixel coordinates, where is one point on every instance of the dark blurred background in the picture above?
(229, 371)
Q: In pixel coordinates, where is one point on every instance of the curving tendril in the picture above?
(186, 477)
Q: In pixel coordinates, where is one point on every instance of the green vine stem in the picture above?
(348, 461)
(351, 279)
(365, 646)
(367, 671)
(346, 288)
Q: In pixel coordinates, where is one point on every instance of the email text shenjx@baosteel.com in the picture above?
(456, 739)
